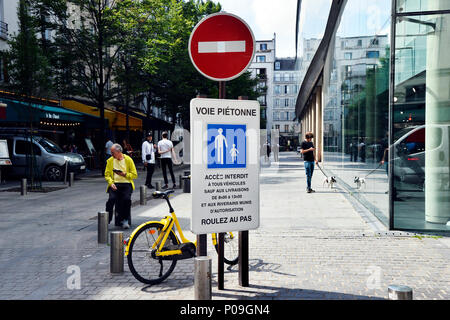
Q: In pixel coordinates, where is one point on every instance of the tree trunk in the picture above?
(101, 87)
(127, 102)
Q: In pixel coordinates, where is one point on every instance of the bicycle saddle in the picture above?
(162, 194)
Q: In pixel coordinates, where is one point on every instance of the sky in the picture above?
(266, 17)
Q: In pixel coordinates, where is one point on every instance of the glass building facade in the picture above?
(420, 116)
(383, 102)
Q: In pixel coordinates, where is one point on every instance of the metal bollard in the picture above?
(65, 172)
(143, 195)
(186, 184)
(23, 187)
(202, 280)
(116, 259)
(71, 178)
(158, 186)
(396, 292)
(187, 173)
(103, 227)
(180, 180)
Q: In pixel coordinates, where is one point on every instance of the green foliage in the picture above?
(28, 66)
(116, 51)
(244, 86)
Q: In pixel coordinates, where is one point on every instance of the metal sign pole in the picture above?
(201, 245)
(243, 259)
(243, 249)
(220, 262)
(223, 28)
(202, 250)
(221, 237)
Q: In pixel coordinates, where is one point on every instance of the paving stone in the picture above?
(308, 246)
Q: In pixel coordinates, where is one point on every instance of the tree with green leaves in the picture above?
(28, 67)
(176, 81)
(29, 73)
(87, 28)
(145, 42)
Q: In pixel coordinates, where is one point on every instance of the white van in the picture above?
(50, 158)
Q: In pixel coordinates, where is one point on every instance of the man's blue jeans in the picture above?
(309, 168)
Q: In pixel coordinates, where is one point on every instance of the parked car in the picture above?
(50, 158)
(409, 153)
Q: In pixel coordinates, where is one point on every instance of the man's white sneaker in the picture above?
(125, 225)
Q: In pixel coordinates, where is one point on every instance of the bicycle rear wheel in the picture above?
(231, 248)
(143, 265)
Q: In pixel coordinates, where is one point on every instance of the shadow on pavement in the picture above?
(258, 265)
(173, 282)
(280, 293)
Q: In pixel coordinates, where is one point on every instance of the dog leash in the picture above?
(322, 171)
(373, 170)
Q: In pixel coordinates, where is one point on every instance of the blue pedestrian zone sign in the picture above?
(226, 146)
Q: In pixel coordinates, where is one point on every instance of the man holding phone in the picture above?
(309, 157)
(119, 173)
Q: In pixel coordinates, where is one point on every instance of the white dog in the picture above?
(330, 182)
(360, 182)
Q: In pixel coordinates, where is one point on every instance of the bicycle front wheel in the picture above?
(144, 266)
(231, 248)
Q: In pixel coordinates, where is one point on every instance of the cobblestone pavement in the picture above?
(309, 246)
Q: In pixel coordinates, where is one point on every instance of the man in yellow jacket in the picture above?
(119, 173)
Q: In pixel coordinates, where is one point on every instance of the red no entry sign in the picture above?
(222, 46)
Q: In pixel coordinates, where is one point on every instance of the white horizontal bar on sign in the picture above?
(221, 46)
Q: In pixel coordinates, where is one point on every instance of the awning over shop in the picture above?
(21, 111)
(120, 122)
(116, 119)
(87, 109)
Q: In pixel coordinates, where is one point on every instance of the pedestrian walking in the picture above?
(119, 173)
(385, 157)
(362, 150)
(127, 149)
(276, 152)
(148, 158)
(309, 157)
(264, 151)
(108, 146)
(165, 149)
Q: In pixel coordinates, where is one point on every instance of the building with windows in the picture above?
(85, 113)
(376, 95)
(285, 90)
(353, 58)
(8, 26)
(8, 21)
(310, 46)
(262, 68)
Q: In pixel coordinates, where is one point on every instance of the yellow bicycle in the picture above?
(154, 248)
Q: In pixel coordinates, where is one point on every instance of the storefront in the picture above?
(67, 128)
(116, 122)
(383, 128)
(138, 122)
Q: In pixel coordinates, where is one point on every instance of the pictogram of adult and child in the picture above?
(226, 146)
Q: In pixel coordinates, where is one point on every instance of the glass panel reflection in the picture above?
(356, 103)
(421, 116)
(422, 5)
